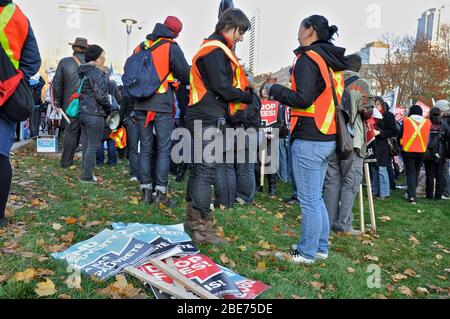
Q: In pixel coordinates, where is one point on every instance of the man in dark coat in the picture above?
(65, 83)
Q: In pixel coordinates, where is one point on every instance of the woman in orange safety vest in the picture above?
(317, 81)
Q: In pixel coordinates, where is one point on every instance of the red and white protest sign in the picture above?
(200, 269)
(269, 112)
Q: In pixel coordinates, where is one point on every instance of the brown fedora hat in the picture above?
(80, 42)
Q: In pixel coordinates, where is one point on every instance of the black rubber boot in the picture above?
(3, 223)
(147, 196)
(163, 201)
(272, 185)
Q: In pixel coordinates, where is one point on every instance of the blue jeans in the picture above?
(112, 153)
(291, 172)
(310, 163)
(284, 168)
(163, 125)
(246, 182)
(380, 181)
(7, 134)
(132, 145)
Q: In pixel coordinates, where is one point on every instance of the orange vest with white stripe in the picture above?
(198, 89)
(161, 59)
(415, 135)
(14, 29)
(323, 109)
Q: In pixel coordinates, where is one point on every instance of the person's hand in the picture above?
(376, 132)
(267, 87)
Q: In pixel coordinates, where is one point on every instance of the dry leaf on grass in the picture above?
(279, 215)
(318, 285)
(316, 276)
(439, 257)
(224, 259)
(384, 218)
(220, 232)
(64, 296)
(71, 220)
(25, 276)
(398, 277)
(27, 255)
(44, 272)
(9, 212)
(134, 201)
(92, 224)
(261, 266)
(242, 248)
(3, 278)
(443, 278)
(422, 291)
(410, 273)
(405, 291)
(68, 237)
(56, 226)
(121, 289)
(371, 258)
(414, 240)
(264, 244)
(351, 270)
(45, 288)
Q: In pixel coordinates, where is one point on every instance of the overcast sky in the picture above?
(358, 21)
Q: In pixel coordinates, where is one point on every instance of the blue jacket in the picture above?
(30, 60)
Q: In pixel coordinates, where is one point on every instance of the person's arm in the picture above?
(217, 68)
(306, 74)
(390, 128)
(30, 58)
(178, 64)
(58, 85)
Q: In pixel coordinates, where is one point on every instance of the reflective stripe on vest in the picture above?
(413, 132)
(198, 89)
(323, 109)
(14, 27)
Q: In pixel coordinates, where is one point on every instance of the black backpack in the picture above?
(436, 147)
(19, 103)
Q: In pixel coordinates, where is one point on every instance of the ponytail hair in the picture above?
(324, 31)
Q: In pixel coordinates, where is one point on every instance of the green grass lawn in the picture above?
(413, 238)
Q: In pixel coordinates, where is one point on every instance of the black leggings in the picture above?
(5, 183)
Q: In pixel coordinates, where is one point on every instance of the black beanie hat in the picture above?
(93, 52)
(415, 110)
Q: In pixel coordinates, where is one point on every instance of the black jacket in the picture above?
(388, 129)
(94, 99)
(66, 80)
(178, 65)
(217, 74)
(30, 58)
(310, 86)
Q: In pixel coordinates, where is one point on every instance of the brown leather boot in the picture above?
(192, 217)
(204, 233)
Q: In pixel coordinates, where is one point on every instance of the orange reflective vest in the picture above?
(415, 135)
(198, 89)
(120, 137)
(161, 59)
(323, 110)
(14, 29)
